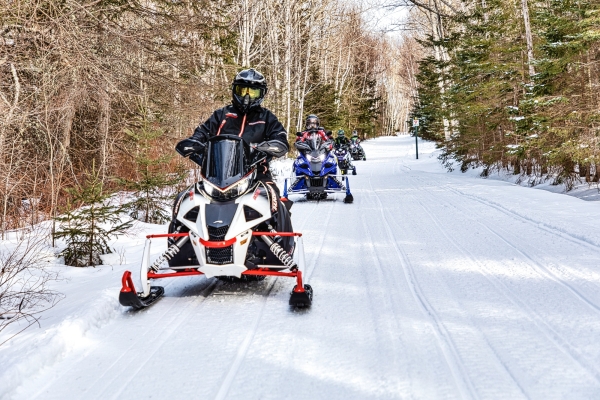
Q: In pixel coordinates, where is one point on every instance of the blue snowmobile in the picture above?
(315, 169)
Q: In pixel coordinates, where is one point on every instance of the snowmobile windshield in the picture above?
(225, 161)
(314, 141)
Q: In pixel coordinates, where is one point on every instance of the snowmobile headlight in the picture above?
(242, 185)
(230, 192)
(210, 189)
(321, 157)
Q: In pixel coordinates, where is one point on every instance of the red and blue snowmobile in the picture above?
(315, 169)
(227, 225)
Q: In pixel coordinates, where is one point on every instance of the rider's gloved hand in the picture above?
(272, 147)
(189, 146)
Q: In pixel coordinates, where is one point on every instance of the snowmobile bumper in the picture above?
(301, 295)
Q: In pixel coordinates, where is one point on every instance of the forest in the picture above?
(99, 92)
(95, 94)
(513, 86)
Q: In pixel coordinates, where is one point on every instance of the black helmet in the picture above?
(248, 90)
(312, 122)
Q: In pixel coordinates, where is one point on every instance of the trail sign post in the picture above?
(416, 126)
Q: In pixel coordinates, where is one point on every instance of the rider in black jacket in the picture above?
(341, 139)
(246, 118)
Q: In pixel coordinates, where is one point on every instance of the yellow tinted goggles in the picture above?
(242, 91)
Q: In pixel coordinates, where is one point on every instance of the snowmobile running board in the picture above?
(301, 295)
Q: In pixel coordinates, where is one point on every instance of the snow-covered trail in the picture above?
(431, 285)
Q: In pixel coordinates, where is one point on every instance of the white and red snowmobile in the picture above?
(227, 225)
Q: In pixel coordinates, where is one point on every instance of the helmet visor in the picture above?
(312, 123)
(242, 91)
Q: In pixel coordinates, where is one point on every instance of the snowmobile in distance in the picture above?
(357, 152)
(315, 169)
(227, 225)
(344, 160)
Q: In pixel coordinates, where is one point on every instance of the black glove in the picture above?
(272, 148)
(189, 146)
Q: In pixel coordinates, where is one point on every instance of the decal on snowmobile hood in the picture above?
(219, 215)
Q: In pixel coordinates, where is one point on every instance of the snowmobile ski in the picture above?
(302, 298)
(130, 298)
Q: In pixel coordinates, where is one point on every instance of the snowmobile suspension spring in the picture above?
(283, 256)
(170, 253)
(280, 253)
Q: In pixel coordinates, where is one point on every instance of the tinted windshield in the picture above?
(224, 162)
(314, 141)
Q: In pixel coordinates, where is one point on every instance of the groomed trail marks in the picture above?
(548, 331)
(447, 345)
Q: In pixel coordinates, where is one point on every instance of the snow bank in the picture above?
(31, 357)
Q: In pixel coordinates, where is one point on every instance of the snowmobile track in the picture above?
(245, 345)
(243, 348)
(313, 262)
(385, 277)
(167, 332)
(448, 347)
(536, 264)
(539, 224)
(535, 318)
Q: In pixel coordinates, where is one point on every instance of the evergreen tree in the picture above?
(152, 186)
(90, 223)
(499, 115)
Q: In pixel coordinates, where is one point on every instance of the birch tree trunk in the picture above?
(529, 38)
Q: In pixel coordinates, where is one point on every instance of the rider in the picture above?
(358, 150)
(312, 125)
(245, 118)
(341, 139)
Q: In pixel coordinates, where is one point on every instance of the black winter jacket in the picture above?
(254, 127)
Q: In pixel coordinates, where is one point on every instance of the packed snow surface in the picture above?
(431, 285)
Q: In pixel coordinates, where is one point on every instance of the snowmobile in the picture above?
(344, 160)
(227, 225)
(315, 170)
(357, 151)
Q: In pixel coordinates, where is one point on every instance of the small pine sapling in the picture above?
(90, 223)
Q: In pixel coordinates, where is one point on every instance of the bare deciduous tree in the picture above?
(24, 291)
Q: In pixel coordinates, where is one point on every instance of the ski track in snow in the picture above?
(165, 334)
(243, 350)
(449, 349)
(549, 332)
(431, 285)
(581, 239)
(520, 248)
